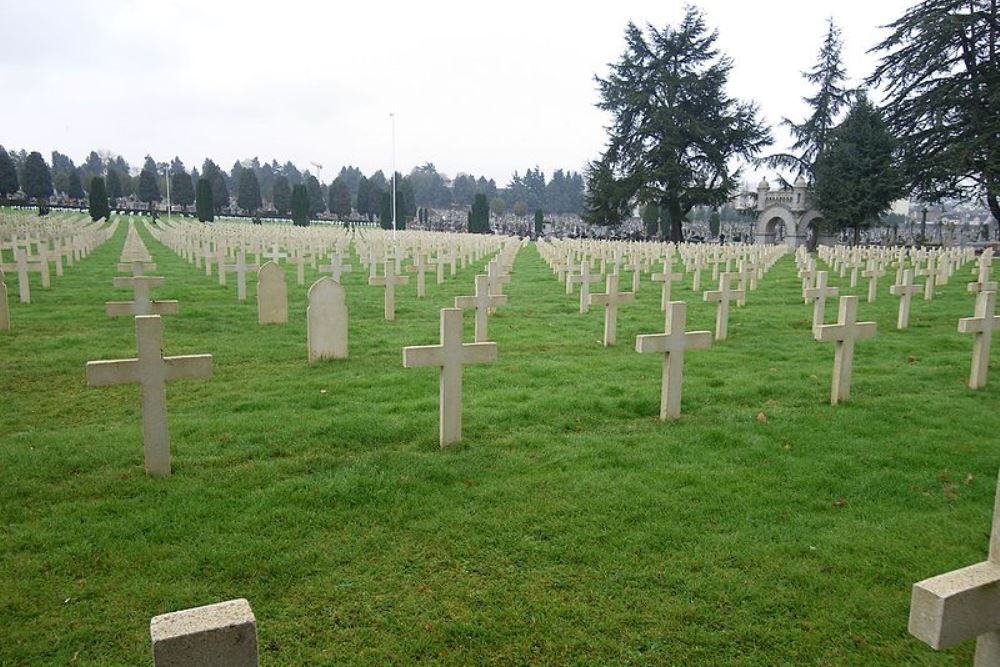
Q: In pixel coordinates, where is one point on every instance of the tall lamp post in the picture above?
(166, 174)
(392, 116)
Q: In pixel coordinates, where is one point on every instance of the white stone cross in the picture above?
(451, 355)
(4, 308)
(389, 281)
(747, 278)
(873, 273)
(667, 276)
(221, 253)
(672, 344)
(699, 265)
(497, 278)
(482, 302)
(931, 274)
(818, 295)
(957, 606)
(982, 325)
(336, 268)
(421, 267)
(983, 282)
(275, 255)
(240, 268)
(844, 333)
(20, 265)
(635, 267)
(905, 291)
(152, 371)
(723, 295)
(136, 267)
(222, 635)
(141, 304)
(610, 300)
(585, 278)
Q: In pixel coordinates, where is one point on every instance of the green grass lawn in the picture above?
(570, 527)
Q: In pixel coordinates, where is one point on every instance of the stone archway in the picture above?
(776, 224)
(812, 233)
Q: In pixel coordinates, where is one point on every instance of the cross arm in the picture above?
(479, 353)
(188, 367)
(956, 606)
(828, 333)
(416, 356)
(113, 372)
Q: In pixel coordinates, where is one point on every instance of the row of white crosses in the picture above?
(847, 330)
(674, 341)
(149, 369)
(33, 251)
(427, 252)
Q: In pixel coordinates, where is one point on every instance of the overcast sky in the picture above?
(476, 88)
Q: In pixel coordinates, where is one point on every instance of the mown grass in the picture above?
(570, 527)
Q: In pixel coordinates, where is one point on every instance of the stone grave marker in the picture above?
(421, 267)
(819, 295)
(482, 302)
(844, 333)
(873, 273)
(336, 268)
(672, 344)
(326, 319)
(723, 296)
(389, 281)
(964, 604)
(451, 355)
(240, 268)
(610, 300)
(20, 265)
(905, 291)
(216, 635)
(4, 308)
(666, 276)
(141, 304)
(982, 327)
(151, 370)
(584, 279)
(272, 295)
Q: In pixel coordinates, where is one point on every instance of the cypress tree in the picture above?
(204, 201)
(385, 210)
(539, 220)
(37, 178)
(282, 196)
(300, 206)
(149, 188)
(98, 203)
(479, 216)
(75, 188)
(8, 174)
(181, 188)
(248, 194)
(340, 198)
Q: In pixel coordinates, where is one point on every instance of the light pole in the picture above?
(166, 173)
(392, 115)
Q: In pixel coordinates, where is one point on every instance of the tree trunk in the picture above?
(993, 201)
(674, 215)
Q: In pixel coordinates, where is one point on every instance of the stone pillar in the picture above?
(221, 635)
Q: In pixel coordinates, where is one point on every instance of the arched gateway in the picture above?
(785, 216)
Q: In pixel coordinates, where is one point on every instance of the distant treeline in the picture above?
(423, 187)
